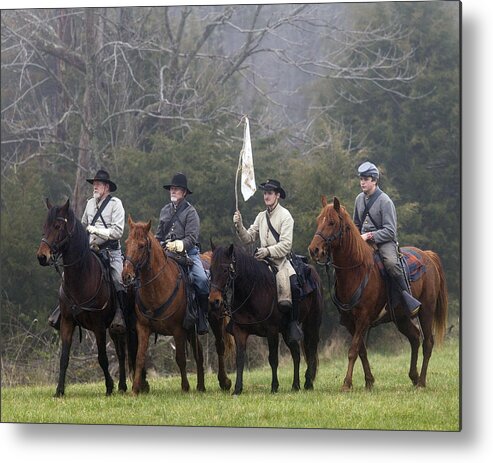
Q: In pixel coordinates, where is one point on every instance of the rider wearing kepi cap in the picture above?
(376, 218)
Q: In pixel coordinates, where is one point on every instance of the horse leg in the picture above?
(240, 341)
(199, 359)
(181, 359)
(143, 333)
(120, 348)
(310, 346)
(406, 327)
(217, 329)
(294, 348)
(66, 333)
(369, 379)
(103, 359)
(359, 329)
(273, 342)
(428, 343)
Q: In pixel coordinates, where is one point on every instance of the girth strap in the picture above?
(155, 314)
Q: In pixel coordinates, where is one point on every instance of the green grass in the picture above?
(393, 403)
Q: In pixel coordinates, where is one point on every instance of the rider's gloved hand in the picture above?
(175, 246)
(103, 233)
(262, 253)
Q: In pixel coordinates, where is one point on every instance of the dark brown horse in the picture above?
(85, 296)
(253, 309)
(160, 302)
(337, 242)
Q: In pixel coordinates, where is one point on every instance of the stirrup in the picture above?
(118, 324)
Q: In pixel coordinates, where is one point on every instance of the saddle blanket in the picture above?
(414, 265)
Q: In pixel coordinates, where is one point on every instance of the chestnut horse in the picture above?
(160, 302)
(337, 243)
(86, 297)
(253, 309)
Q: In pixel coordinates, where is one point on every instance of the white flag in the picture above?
(248, 186)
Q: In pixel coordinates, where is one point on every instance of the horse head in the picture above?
(330, 228)
(56, 232)
(222, 274)
(138, 250)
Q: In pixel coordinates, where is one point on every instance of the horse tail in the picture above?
(132, 338)
(229, 344)
(441, 308)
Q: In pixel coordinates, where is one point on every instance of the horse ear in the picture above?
(48, 203)
(324, 200)
(129, 220)
(148, 226)
(213, 246)
(65, 207)
(231, 250)
(337, 204)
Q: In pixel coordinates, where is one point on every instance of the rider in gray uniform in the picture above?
(105, 233)
(379, 225)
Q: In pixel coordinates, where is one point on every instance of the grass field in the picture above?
(393, 403)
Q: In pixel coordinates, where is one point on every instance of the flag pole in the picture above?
(239, 164)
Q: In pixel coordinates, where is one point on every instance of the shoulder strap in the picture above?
(174, 217)
(100, 211)
(368, 206)
(271, 228)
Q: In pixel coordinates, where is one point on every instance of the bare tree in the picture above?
(78, 84)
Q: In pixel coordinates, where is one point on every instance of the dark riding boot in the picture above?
(294, 331)
(411, 304)
(54, 318)
(118, 324)
(202, 324)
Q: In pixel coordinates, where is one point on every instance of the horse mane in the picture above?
(352, 244)
(250, 272)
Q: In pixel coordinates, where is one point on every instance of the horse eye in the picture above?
(331, 222)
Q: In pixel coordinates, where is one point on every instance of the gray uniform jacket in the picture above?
(186, 227)
(113, 215)
(382, 212)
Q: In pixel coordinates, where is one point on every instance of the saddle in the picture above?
(411, 261)
(303, 273)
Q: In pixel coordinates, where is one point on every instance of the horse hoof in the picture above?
(308, 386)
(225, 385)
(58, 394)
(346, 388)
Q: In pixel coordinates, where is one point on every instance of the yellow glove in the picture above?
(262, 253)
(237, 220)
(175, 246)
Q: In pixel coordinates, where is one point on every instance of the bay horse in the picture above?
(253, 309)
(160, 303)
(337, 243)
(86, 296)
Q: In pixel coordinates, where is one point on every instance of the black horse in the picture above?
(86, 297)
(253, 309)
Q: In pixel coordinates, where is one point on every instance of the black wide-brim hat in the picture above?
(273, 185)
(102, 176)
(178, 180)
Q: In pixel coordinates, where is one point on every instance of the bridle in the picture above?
(355, 298)
(56, 249)
(229, 287)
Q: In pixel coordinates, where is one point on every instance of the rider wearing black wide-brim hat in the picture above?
(178, 231)
(104, 220)
(276, 247)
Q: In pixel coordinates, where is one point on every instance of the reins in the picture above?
(356, 296)
(230, 286)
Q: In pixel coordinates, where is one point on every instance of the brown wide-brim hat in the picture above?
(102, 176)
(273, 185)
(178, 180)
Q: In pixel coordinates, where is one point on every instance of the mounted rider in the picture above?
(376, 218)
(274, 227)
(178, 231)
(104, 219)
